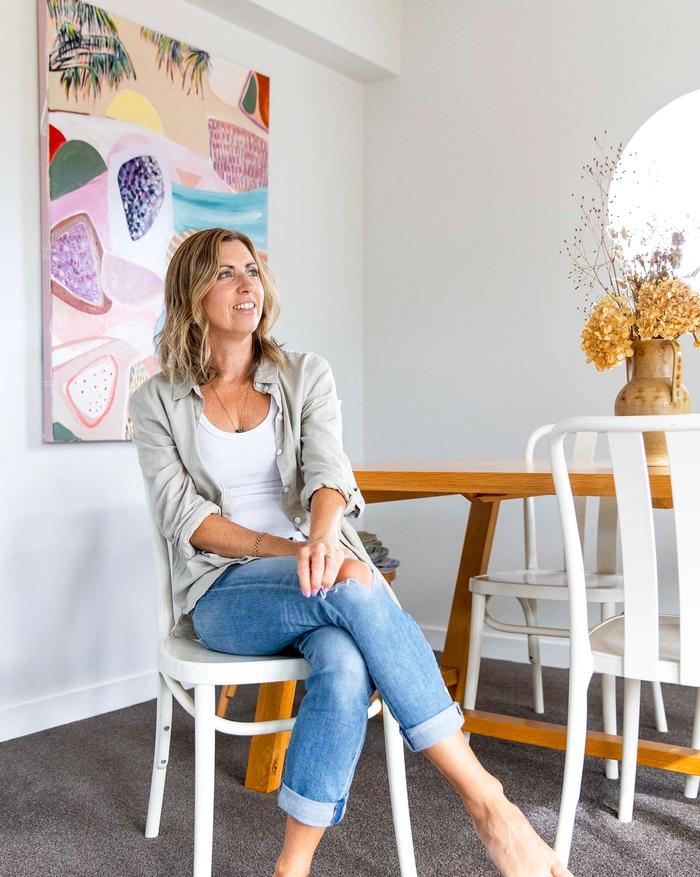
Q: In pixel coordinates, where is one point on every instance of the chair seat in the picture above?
(608, 645)
(547, 584)
(190, 662)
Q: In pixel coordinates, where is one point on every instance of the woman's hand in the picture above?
(318, 563)
(341, 565)
(322, 561)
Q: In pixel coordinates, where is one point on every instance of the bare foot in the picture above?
(512, 843)
(290, 870)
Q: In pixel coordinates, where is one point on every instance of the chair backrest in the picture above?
(164, 583)
(583, 454)
(638, 536)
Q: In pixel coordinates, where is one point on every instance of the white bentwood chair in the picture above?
(186, 662)
(641, 644)
(603, 588)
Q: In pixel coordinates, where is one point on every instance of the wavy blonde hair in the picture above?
(182, 345)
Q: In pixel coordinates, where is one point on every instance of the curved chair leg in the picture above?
(573, 765)
(393, 743)
(529, 608)
(692, 783)
(608, 682)
(204, 734)
(659, 709)
(630, 741)
(476, 635)
(164, 722)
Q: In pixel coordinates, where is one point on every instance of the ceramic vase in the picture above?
(654, 386)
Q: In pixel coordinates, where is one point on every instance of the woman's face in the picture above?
(234, 303)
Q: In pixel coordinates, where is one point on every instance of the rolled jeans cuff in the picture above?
(433, 730)
(319, 814)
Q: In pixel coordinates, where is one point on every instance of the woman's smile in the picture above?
(245, 307)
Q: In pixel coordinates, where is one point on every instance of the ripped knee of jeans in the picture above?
(356, 570)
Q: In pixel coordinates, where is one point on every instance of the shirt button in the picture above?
(279, 417)
(279, 451)
(297, 520)
(285, 490)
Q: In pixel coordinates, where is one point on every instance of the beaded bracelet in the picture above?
(257, 544)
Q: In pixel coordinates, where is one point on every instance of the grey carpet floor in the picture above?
(74, 800)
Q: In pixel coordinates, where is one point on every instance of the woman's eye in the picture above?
(224, 275)
(253, 272)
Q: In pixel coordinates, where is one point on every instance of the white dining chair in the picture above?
(603, 587)
(185, 662)
(693, 783)
(640, 644)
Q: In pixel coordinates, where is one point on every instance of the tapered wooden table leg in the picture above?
(227, 692)
(476, 551)
(266, 755)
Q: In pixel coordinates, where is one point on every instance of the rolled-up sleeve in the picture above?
(173, 498)
(323, 460)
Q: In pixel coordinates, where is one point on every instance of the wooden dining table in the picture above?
(484, 485)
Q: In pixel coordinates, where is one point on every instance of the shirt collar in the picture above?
(266, 373)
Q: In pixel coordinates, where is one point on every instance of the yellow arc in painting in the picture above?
(129, 106)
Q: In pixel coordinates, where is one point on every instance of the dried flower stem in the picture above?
(642, 296)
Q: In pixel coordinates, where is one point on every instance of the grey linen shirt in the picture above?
(182, 493)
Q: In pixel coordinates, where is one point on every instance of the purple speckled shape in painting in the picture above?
(73, 263)
(142, 189)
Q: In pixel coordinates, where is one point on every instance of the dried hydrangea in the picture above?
(606, 334)
(667, 310)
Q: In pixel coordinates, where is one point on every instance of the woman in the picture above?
(240, 445)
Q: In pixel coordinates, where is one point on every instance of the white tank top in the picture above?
(245, 465)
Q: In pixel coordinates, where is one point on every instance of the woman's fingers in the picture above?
(317, 566)
(307, 562)
(321, 564)
(318, 569)
(303, 571)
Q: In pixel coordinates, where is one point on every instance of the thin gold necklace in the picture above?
(238, 428)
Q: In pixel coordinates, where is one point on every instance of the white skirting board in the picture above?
(508, 646)
(31, 716)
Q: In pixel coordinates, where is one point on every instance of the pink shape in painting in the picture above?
(91, 390)
(187, 178)
(239, 157)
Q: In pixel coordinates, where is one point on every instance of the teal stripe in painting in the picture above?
(243, 211)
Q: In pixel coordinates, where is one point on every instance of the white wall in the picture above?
(471, 156)
(373, 29)
(75, 564)
(361, 38)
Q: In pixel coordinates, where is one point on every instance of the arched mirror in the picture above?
(656, 188)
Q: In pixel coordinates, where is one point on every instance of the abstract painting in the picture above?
(144, 139)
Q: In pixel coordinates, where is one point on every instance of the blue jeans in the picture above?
(356, 638)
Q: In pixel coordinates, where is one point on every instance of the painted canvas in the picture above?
(145, 138)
